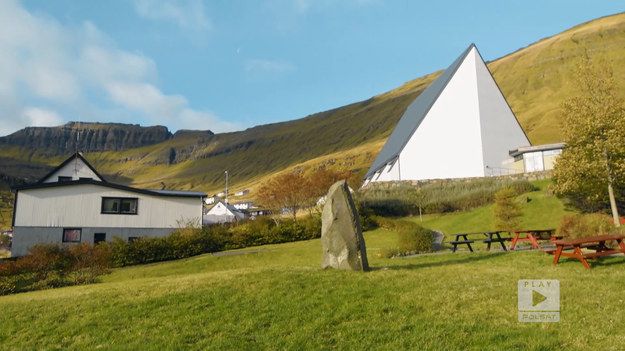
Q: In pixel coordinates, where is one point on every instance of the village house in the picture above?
(75, 204)
(223, 212)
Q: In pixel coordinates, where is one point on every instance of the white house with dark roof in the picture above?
(461, 126)
(74, 203)
(223, 212)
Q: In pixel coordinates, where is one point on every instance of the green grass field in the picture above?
(281, 299)
(542, 211)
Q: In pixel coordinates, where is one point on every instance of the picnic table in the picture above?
(533, 236)
(490, 237)
(596, 243)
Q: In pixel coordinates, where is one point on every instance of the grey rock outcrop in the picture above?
(341, 233)
(94, 137)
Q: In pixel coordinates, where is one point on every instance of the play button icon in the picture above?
(537, 298)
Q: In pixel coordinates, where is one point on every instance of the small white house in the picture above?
(211, 200)
(222, 213)
(244, 205)
(536, 158)
(241, 193)
(73, 204)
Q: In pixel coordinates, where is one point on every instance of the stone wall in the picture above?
(418, 183)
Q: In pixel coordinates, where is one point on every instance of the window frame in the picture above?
(72, 241)
(119, 210)
(95, 242)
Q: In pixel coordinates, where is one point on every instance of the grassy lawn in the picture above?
(281, 299)
(542, 211)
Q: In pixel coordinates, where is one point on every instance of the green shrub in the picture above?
(416, 240)
(412, 238)
(49, 266)
(405, 199)
(507, 210)
(579, 226)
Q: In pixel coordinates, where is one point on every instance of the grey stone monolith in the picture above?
(341, 233)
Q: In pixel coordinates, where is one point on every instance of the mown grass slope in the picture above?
(277, 297)
(281, 299)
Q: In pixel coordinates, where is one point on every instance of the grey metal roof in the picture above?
(176, 193)
(544, 147)
(179, 193)
(414, 115)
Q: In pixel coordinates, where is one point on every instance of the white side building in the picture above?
(461, 126)
(86, 208)
(222, 212)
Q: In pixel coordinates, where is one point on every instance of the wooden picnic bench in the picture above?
(491, 237)
(533, 236)
(596, 243)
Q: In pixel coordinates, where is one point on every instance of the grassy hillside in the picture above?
(535, 80)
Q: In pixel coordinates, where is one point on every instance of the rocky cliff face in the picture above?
(91, 137)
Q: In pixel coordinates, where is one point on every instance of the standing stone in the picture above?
(341, 234)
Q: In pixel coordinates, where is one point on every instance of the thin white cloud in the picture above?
(271, 67)
(303, 7)
(40, 117)
(79, 73)
(185, 14)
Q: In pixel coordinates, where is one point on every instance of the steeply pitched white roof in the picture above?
(72, 165)
(419, 109)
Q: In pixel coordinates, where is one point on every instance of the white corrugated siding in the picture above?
(80, 206)
(75, 169)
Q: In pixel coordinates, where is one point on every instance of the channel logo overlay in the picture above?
(539, 300)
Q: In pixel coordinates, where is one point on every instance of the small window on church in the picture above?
(64, 179)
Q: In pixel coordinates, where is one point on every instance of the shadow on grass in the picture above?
(601, 262)
(467, 259)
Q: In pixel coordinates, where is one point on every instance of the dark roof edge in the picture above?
(71, 158)
(108, 185)
(452, 70)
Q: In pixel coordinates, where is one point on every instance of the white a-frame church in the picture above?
(461, 126)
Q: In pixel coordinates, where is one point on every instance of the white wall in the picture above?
(81, 205)
(500, 129)
(219, 210)
(447, 144)
(390, 172)
(75, 169)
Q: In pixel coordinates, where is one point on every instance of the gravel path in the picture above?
(242, 252)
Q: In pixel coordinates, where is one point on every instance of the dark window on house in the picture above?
(119, 205)
(85, 178)
(64, 179)
(71, 235)
(99, 237)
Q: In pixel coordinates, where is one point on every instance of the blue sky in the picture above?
(229, 65)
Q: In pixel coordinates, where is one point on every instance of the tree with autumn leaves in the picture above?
(293, 191)
(591, 169)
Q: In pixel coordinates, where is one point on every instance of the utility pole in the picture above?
(226, 187)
